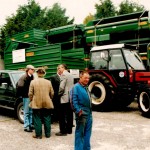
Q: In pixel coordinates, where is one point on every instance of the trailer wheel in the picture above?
(144, 102)
(102, 92)
(19, 112)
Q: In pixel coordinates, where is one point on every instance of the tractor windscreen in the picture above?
(99, 60)
(133, 60)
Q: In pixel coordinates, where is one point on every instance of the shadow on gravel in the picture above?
(132, 107)
(7, 113)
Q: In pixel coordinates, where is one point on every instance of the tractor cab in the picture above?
(115, 57)
(120, 61)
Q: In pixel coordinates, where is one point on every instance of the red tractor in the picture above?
(118, 76)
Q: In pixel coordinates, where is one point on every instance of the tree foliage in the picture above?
(105, 9)
(127, 6)
(55, 17)
(88, 18)
(33, 16)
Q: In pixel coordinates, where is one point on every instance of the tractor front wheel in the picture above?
(102, 92)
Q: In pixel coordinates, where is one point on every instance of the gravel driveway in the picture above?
(117, 130)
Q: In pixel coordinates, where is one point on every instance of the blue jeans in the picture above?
(83, 132)
(27, 113)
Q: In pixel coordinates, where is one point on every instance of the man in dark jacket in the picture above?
(23, 88)
(55, 80)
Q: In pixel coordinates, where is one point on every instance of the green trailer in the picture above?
(71, 44)
(49, 56)
(131, 29)
(35, 36)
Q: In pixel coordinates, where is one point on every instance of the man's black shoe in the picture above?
(61, 134)
(32, 128)
(28, 130)
(69, 132)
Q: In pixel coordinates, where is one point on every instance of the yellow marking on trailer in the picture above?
(30, 54)
(144, 58)
(26, 35)
(13, 39)
(90, 31)
(143, 23)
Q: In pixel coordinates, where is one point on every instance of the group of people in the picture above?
(40, 96)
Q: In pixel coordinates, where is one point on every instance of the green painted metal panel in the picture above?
(64, 29)
(119, 19)
(104, 37)
(31, 36)
(74, 58)
(114, 29)
(48, 55)
(128, 28)
(69, 33)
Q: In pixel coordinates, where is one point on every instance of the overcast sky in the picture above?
(74, 8)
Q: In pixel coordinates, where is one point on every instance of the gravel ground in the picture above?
(117, 130)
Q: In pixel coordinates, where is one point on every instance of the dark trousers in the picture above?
(55, 111)
(39, 116)
(65, 118)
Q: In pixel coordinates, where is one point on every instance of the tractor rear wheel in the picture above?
(102, 92)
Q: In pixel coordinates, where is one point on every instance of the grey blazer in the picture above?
(66, 83)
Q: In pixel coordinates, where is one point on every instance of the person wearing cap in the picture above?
(23, 89)
(41, 93)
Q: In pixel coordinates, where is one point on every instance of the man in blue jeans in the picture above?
(81, 103)
(23, 89)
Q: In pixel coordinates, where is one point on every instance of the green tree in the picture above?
(55, 17)
(88, 18)
(2, 41)
(129, 7)
(33, 16)
(25, 18)
(105, 9)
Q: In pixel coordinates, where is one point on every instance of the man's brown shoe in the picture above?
(37, 137)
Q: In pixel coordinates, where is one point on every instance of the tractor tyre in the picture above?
(144, 101)
(102, 92)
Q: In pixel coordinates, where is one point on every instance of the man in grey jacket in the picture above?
(65, 111)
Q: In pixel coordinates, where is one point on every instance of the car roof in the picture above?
(11, 71)
(104, 47)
